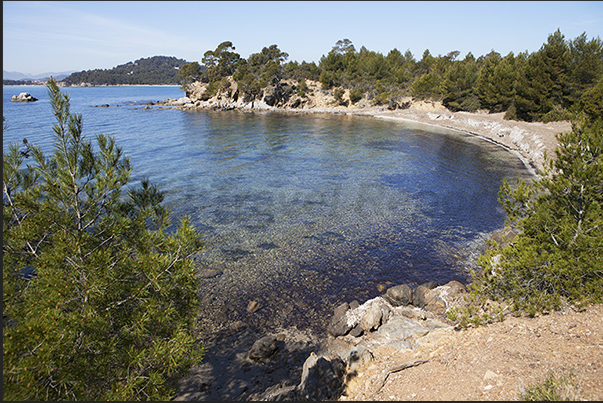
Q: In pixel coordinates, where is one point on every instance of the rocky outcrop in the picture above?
(504, 236)
(394, 319)
(284, 95)
(24, 97)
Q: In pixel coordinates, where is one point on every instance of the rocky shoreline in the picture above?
(402, 318)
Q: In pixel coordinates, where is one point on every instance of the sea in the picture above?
(298, 212)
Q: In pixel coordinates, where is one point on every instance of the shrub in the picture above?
(552, 388)
(558, 254)
(99, 301)
(356, 95)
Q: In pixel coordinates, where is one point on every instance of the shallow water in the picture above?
(298, 212)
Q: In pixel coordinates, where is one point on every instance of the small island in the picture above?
(24, 97)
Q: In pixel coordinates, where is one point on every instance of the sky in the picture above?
(59, 36)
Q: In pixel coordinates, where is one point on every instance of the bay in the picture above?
(298, 212)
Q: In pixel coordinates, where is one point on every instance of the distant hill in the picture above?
(152, 70)
(18, 76)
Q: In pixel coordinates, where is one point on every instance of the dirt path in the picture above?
(493, 362)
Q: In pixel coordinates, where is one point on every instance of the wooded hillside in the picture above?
(152, 70)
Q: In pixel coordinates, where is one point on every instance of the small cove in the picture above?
(298, 213)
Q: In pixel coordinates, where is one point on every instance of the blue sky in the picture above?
(49, 36)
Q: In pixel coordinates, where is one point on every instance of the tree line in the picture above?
(541, 86)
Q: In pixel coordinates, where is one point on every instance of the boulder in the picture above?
(322, 378)
(264, 348)
(182, 101)
(439, 299)
(368, 316)
(431, 284)
(418, 296)
(372, 318)
(338, 326)
(400, 295)
(24, 97)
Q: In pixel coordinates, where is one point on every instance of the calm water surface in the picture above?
(298, 212)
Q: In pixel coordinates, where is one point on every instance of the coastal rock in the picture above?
(322, 378)
(368, 316)
(400, 295)
(264, 348)
(504, 236)
(253, 306)
(441, 298)
(24, 97)
(209, 273)
(418, 296)
(182, 101)
(371, 319)
(338, 326)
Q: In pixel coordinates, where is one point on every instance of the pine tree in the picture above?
(99, 300)
(486, 81)
(558, 254)
(592, 100)
(458, 85)
(586, 65)
(542, 88)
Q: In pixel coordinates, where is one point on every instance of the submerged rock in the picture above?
(264, 348)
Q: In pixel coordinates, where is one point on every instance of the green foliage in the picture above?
(260, 70)
(220, 62)
(427, 87)
(189, 73)
(99, 301)
(458, 85)
(592, 100)
(543, 86)
(552, 388)
(326, 80)
(151, 70)
(495, 82)
(338, 95)
(356, 95)
(558, 254)
(586, 65)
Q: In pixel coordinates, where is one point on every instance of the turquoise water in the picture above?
(298, 212)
